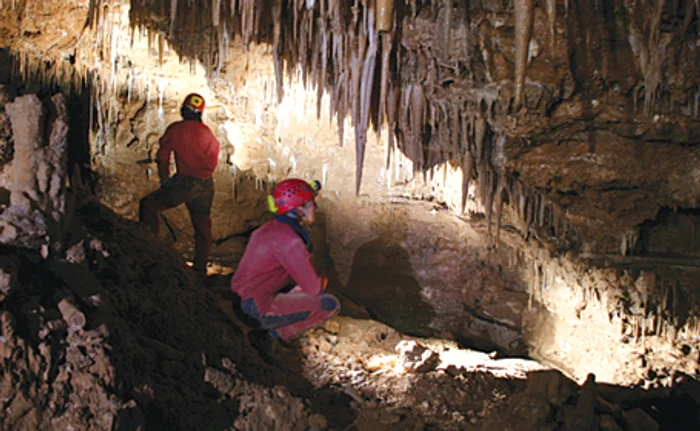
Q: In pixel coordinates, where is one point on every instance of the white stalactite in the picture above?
(173, 16)
(552, 17)
(524, 14)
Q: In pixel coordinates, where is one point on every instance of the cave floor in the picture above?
(366, 375)
(154, 349)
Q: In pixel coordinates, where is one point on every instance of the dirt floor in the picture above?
(117, 334)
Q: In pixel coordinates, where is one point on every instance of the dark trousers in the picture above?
(292, 313)
(197, 194)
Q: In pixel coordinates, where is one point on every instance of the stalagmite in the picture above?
(524, 14)
(37, 211)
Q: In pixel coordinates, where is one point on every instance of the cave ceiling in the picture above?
(579, 116)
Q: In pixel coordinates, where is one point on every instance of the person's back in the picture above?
(275, 260)
(195, 146)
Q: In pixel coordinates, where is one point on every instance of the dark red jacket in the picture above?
(275, 258)
(195, 146)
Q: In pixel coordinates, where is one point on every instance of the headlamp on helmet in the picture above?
(194, 102)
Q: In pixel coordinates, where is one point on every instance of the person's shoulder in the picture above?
(182, 125)
(205, 128)
(202, 125)
(174, 125)
(280, 230)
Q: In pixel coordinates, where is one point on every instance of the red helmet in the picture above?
(195, 102)
(292, 193)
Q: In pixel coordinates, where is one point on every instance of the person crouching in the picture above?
(278, 286)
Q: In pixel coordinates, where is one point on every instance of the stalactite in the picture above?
(552, 18)
(216, 12)
(447, 27)
(417, 120)
(358, 43)
(387, 41)
(556, 219)
(391, 119)
(385, 15)
(480, 134)
(502, 181)
(323, 78)
(688, 15)
(524, 15)
(467, 163)
(489, 192)
(276, 49)
(173, 17)
(522, 201)
(367, 83)
(656, 21)
(455, 128)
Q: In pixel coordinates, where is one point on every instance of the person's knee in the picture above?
(329, 303)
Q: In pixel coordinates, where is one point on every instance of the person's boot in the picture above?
(273, 349)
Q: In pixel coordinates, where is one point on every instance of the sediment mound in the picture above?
(115, 334)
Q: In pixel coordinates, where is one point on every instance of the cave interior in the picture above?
(513, 178)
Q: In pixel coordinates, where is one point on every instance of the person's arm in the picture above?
(297, 261)
(163, 155)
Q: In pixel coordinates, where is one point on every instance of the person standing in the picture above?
(196, 152)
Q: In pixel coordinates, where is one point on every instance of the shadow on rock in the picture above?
(382, 281)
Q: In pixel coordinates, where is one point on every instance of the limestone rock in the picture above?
(417, 358)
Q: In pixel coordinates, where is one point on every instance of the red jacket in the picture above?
(275, 258)
(195, 146)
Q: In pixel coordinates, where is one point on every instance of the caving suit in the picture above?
(278, 285)
(196, 156)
